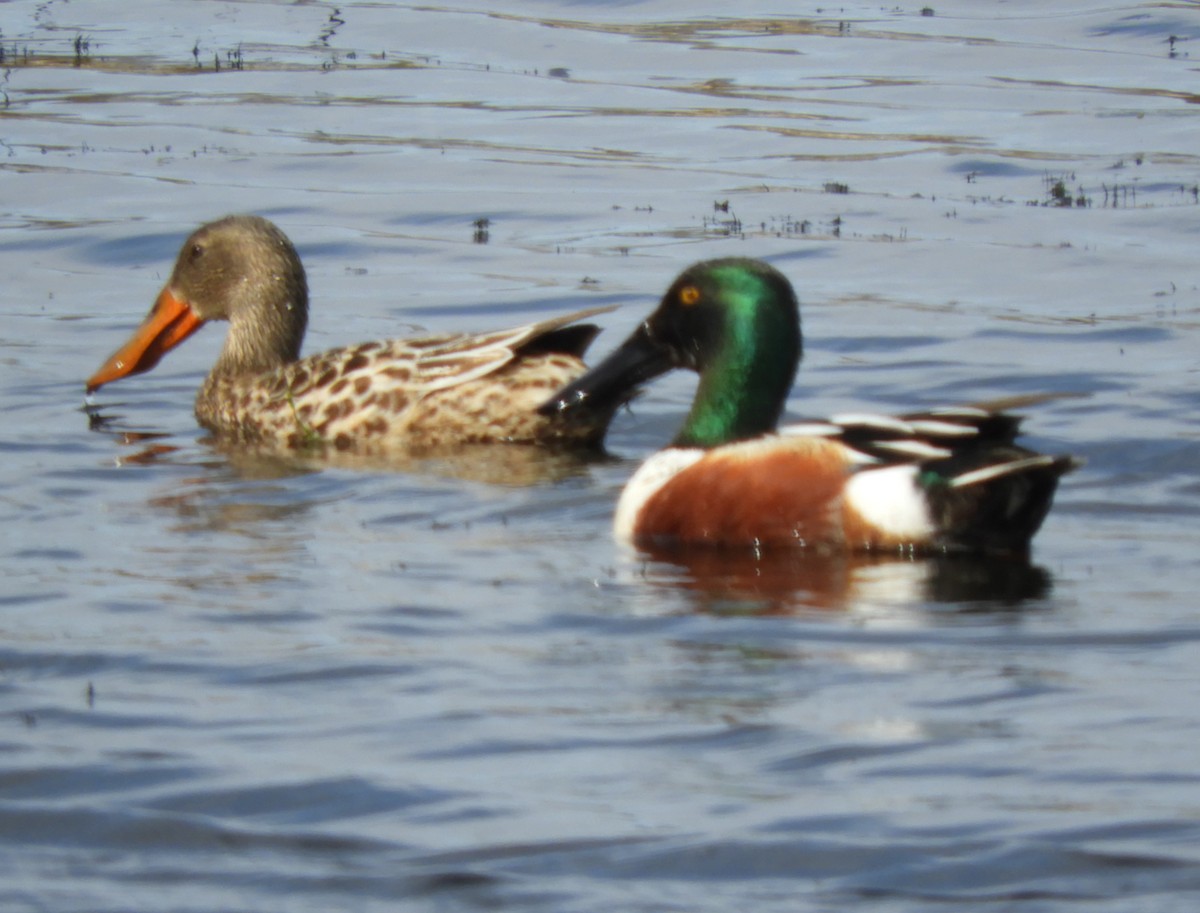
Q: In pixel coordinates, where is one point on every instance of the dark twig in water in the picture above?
(786, 226)
(720, 226)
(1116, 197)
(1060, 196)
(332, 24)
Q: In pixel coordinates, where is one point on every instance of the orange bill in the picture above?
(169, 323)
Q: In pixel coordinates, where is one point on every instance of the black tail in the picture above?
(993, 505)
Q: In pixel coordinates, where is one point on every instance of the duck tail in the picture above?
(994, 504)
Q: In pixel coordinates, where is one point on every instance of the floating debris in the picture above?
(724, 227)
(1058, 195)
(332, 24)
(786, 227)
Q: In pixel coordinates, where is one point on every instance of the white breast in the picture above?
(649, 478)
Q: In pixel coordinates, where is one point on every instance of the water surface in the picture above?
(241, 684)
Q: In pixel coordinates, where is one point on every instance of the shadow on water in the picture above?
(785, 582)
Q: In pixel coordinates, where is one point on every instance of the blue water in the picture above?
(237, 683)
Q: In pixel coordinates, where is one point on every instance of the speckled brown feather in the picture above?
(376, 397)
(404, 395)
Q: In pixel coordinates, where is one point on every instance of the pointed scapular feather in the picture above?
(883, 423)
(917, 450)
(933, 428)
(989, 473)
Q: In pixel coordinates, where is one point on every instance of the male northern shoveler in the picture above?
(950, 480)
(402, 394)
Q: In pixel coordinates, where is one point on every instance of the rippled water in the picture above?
(240, 684)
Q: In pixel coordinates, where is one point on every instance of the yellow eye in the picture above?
(689, 295)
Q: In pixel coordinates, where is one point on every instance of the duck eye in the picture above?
(689, 295)
(197, 251)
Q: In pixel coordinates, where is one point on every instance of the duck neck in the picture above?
(268, 331)
(743, 388)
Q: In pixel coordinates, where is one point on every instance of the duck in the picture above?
(410, 395)
(950, 480)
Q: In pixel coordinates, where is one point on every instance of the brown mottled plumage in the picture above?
(395, 395)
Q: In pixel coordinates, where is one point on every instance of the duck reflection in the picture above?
(149, 443)
(794, 581)
(517, 465)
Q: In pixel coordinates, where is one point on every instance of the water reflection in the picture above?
(518, 465)
(794, 581)
(514, 465)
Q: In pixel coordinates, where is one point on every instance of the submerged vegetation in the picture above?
(83, 52)
(1058, 192)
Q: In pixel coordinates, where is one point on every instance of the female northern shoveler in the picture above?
(405, 394)
(942, 481)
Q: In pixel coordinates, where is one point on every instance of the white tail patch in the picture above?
(890, 500)
(988, 473)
